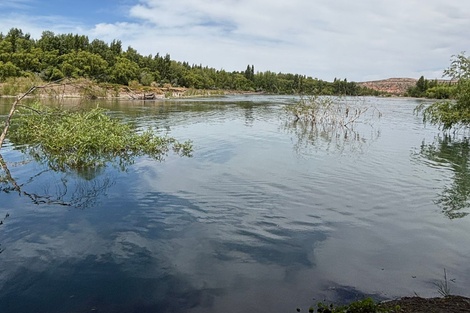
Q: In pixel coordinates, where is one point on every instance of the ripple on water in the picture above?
(250, 216)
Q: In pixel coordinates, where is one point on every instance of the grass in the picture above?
(443, 286)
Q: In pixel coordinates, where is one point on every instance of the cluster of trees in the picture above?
(455, 113)
(432, 89)
(55, 56)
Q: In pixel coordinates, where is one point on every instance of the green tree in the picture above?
(250, 72)
(124, 71)
(8, 69)
(84, 64)
(421, 85)
(441, 92)
(48, 41)
(450, 114)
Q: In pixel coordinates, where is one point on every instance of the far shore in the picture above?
(80, 90)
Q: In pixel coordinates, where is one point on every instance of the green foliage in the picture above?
(459, 67)
(124, 71)
(454, 154)
(55, 56)
(83, 64)
(452, 114)
(82, 139)
(431, 89)
(441, 92)
(8, 69)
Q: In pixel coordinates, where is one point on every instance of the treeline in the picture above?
(433, 89)
(55, 56)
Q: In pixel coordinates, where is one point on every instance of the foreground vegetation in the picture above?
(452, 114)
(55, 56)
(361, 306)
(77, 139)
(445, 304)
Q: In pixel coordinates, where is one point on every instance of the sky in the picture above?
(358, 40)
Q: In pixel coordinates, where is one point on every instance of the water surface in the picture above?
(267, 215)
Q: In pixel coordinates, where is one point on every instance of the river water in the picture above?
(268, 215)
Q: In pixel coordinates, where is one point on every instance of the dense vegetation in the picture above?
(452, 114)
(55, 56)
(432, 89)
(75, 140)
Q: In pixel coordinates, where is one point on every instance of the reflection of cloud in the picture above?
(377, 261)
(49, 187)
(162, 251)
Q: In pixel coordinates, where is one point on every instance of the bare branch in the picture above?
(16, 103)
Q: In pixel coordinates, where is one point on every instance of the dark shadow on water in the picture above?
(80, 189)
(343, 295)
(453, 154)
(100, 285)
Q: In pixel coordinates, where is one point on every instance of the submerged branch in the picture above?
(8, 175)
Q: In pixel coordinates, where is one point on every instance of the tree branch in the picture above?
(15, 104)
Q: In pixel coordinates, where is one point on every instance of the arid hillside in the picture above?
(395, 86)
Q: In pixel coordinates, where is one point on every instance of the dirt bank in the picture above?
(449, 304)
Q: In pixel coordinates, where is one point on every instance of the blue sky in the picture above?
(358, 40)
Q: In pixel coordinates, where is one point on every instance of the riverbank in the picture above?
(83, 88)
(449, 304)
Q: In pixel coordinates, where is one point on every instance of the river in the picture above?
(266, 216)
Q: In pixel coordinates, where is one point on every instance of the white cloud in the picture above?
(35, 25)
(15, 4)
(326, 39)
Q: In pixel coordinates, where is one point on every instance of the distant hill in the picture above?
(395, 86)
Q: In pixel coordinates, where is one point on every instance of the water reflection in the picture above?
(244, 225)
(309, 137)
(104, 285)
(79, 189)
(332, 125)
(454, 154)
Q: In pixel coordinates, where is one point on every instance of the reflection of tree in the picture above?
(454, 154)
(332, 124)
(81, 191)
(329, 137)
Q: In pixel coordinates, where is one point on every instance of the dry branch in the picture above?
(10, 115)
(16, 103)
